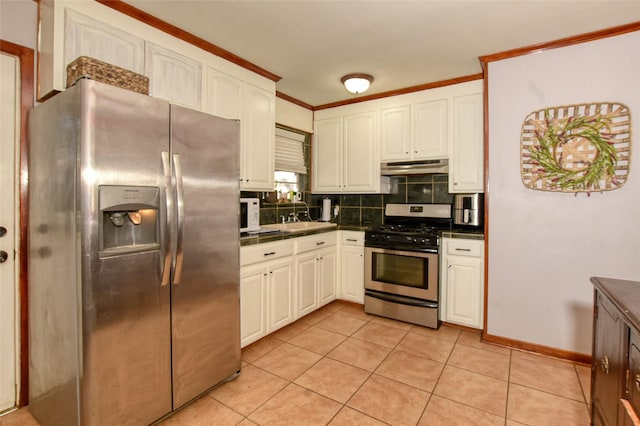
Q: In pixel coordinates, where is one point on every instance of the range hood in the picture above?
(414, 167)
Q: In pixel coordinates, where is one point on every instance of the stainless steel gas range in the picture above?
(401, 263)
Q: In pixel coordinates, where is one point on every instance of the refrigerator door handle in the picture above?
(165, 272)
(177, 167)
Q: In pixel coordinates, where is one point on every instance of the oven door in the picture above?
(405, 273)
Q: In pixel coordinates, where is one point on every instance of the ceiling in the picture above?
(311, 44)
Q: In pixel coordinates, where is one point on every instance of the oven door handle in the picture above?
(403, 300)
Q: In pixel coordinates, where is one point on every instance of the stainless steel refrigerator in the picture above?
(134, 256)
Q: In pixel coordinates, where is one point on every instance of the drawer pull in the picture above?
(604, 363)
(353, 240)
(638, 382)
(462, 249)
(271, 253)
(320, 243)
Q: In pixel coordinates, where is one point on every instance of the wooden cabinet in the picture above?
(608, 356)
(462, 282)
(615, 370)
(345, 154)
(316, 271)
(466, 151)
(352, 266)
(266, 289)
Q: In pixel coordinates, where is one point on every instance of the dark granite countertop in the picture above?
(277, 236)
(471, 233)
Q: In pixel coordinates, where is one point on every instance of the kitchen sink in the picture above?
(300, 226)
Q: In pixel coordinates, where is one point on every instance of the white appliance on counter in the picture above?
(134, 262)
(249, 215)
(468, 210)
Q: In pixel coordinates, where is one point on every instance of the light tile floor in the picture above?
(340, 366)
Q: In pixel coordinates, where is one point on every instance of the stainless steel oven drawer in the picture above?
(426, 315)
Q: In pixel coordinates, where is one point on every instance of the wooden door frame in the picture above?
(26, 57)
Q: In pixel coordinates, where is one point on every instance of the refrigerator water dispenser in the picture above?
(129, 219)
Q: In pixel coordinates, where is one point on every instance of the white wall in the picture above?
(294, 116)
(544, 246)
(18, 22)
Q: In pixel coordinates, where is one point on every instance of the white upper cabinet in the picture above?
(395, 133)
(173, 77)
(192, 78)
(224, 95)
(327, 156)
(88, 37)
(229, 97)
(257, 146)
(414, 132)
(430, 130)
(466, 164)
(361, 169)
(345, 155)
(444, 122)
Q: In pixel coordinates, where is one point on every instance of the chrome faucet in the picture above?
(293, 217)
(306, 213)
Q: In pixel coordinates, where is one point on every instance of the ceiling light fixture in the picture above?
(357, 83)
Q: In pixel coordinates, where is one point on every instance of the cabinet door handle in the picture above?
(604, 363)
(462, 249)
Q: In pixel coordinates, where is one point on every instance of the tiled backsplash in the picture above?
(362, 210)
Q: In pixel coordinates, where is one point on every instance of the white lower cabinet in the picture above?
(462, 282)
(316, 271)
(352, 266)
(253, 310)
(285, 280)
(266, 289)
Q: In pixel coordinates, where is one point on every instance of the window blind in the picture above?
(290, 151)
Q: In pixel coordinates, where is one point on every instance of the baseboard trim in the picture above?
(540, 349)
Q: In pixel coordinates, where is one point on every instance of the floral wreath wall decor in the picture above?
(576, 148)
